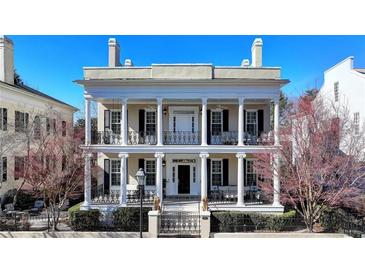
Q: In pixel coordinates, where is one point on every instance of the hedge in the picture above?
(84, 220)
(233, 221)
(127, 218)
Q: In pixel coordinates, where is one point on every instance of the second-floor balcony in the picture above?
(181, 138)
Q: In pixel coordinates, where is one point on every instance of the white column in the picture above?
(204, 175)
(159, 187)
(87, 120)
(240, 179)
(276, 122)
(240, 121)
(124, 122)
(276, 180)
(204, 122)
(87, 181)
(123, 179)
(159, 121)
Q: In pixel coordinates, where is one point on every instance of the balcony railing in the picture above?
(181, 138)
(228, 194)
(224, 138)
(112, 197)
(142, 138)
(106, 137)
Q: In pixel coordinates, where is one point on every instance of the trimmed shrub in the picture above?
(127, 219)
(25, 199)
(231, 221)
(84, 220)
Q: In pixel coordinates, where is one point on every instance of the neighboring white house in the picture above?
(20, 106)
(344, 89)
(194, 128)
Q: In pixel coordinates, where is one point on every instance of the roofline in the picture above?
(176, 65)
(126, 82)
(339, 63)
(49, 98)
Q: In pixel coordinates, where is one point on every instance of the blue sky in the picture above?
(51, 63)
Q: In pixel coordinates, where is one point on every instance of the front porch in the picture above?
(228, 181)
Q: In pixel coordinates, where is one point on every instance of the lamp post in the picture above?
(140, 175)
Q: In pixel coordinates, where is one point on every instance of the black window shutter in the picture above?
(5, 173)
(5, 119)
(244, 172)
(208, 127)
(141, 163)
(141, 120)
(106, 119)
(225, 172)
(244, 120)
(225, 120)
(208, 176)
(106, 176)
(260, 121)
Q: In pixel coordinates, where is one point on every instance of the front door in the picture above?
(184, 179)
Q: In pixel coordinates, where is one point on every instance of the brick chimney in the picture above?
(6, 60)
(114, 51)
(256, 51)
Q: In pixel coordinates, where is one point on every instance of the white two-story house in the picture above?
(194, 129)
(344, 89)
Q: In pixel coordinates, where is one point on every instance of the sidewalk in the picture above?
(70, 234)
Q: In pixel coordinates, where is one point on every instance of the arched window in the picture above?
(37, 128)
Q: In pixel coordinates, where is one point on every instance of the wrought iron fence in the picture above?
(142, 138)
(181, 138)
(252, 195)
(180, 223)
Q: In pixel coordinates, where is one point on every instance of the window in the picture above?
(19, 167)
(217, 174)
(50, 163)
(21, 121)
(251, 123)
(217, 122)
(63, 128)
(37, 128)
(54, 126)
(115, 172)
(174, 122)
(251, 177)
(48, 125)
(3, 119)
(115, 121)
(173, 174)
(357, 122)
(150, 122)
(64, 162)
(4, 169)
(335, 90)
(150, 168)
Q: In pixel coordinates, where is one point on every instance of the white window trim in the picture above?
(111, 172)
(187, 108)
(256, 128)
(145, 118)
(145, 169)
(111, 119)
(211, 171)
(211, 119)
(246, 169)
(336, 93)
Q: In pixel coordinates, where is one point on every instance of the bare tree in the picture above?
(322, 161)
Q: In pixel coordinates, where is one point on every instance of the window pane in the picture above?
(115, 179)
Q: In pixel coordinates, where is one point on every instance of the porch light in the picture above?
(163, 163)
(165, 111)
(140, 175)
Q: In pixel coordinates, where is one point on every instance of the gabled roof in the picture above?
(37, 92)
